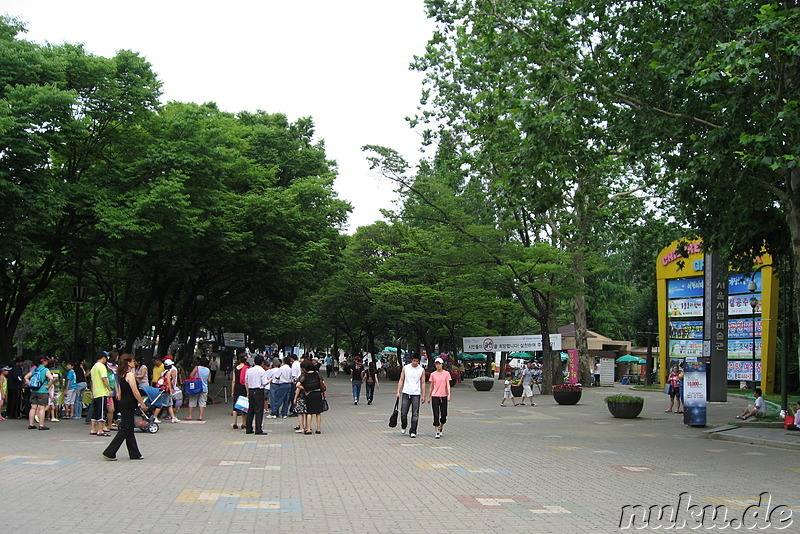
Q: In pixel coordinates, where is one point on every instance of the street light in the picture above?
(753, 304)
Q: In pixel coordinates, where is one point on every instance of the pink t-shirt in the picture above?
(439, 381)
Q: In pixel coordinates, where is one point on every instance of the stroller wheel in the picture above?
(152, 428)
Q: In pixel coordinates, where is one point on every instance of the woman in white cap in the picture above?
(169, 384)
(439, 394)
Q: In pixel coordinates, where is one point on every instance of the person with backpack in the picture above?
(239, 388)
(370, 377)
(39, 381)
(168, 383)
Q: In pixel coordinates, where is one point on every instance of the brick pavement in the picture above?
(546, 468)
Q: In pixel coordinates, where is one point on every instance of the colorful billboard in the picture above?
(684, 288)
(686, 329)
(692, 307)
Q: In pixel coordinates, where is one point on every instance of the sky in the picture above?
(345, 64)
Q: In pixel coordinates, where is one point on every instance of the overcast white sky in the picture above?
(344, 63)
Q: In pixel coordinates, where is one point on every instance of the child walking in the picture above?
(507, 393)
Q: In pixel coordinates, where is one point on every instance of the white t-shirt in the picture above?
(413, 377)
(760, 407)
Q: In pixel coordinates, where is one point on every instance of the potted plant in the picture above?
(567, 393)
(393, 373)
(516, 388)
(483, 383)
(624, 406)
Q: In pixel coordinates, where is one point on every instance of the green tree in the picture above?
(61, 112)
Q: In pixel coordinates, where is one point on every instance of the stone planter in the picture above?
(483, 385)
(516, 390)
(625, 410)
(567, 397)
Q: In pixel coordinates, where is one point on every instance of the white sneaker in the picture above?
(403, 431)
(156, 421)
(413, 435)
(176, 420)
(438, 435)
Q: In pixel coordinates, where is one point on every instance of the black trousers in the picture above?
(14, 403)
(256, 410)
(439, 405)
(126, 434)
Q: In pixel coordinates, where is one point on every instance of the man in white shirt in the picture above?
(759, 409)
(412, 388)
(255, 380)
(282, 383)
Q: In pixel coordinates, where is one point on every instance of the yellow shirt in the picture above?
(98, 373)
(157, 371)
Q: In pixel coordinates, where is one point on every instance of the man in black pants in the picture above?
(15, 385)
(255, 381)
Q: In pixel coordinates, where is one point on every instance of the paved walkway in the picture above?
(514, 469)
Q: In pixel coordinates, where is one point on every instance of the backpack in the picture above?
(163, 381)
(37, 380)
(242, 373)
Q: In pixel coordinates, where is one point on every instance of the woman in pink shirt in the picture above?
(439, 394)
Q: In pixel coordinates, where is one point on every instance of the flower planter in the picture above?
(625, 410)
(483, 385)
(516, 390)
(567, 397)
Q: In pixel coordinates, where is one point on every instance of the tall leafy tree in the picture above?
(61, 112)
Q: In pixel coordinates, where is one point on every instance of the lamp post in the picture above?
(753, 304)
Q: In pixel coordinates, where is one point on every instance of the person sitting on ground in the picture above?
(757, 410)
(796, 413)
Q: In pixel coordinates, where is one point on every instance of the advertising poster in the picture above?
(685, 287)
(737, 283)
(694, 392)
(741, 349)
(743, 328)
(740, 304)
(681, 348)
(743, 370)
(692, 307)
(686, 329)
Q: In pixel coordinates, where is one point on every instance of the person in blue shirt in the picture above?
(40, 393)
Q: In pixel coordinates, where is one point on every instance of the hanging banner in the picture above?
(694, 391)
(573, 367)
(509, 343)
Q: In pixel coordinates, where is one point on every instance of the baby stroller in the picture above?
(152, 397)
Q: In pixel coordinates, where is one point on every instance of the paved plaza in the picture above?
(547, 468)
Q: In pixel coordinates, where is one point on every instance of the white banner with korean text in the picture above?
(509, 343)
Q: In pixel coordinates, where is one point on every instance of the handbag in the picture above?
(666, 388)
(324, 404)
(193, 386)
(393, 417)
(242, 404)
